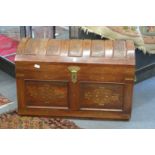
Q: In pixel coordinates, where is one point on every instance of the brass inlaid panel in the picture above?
(46, 93)
(98, 95)
(102, 96)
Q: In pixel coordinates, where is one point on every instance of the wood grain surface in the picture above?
(104, 80)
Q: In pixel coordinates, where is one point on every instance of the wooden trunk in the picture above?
(75, 78)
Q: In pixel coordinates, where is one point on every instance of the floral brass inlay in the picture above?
(46, 92)
(102, 96)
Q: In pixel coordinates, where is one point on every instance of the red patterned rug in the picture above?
(14, 121)
(4, 101)
(8, 47)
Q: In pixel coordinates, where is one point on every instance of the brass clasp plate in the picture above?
(73, 70)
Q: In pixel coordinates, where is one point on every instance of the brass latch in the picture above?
(73, 70)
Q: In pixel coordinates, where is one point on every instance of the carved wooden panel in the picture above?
(35, 47)
(109, 51)
(101, 95)
(120, 49)
(75, 48)
(130, 47)
(99, 51)
(53, 47)
(30, 47)
(97, 48)
(46, 93)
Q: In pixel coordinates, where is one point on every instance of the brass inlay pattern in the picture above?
(45, 92)
(102, 96)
